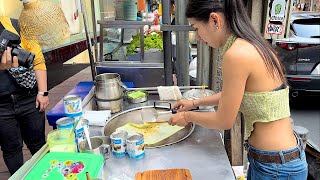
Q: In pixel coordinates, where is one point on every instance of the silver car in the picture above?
(300, 52)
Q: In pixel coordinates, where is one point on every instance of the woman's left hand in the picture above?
(178, 119)
(42, 102)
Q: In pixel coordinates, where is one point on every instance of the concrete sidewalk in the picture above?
(55, 95)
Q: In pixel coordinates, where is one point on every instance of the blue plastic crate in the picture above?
(81, 89)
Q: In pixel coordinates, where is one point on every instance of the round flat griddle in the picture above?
(134, 116)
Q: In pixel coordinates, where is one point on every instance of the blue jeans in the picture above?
(296, 169)
(20, 121)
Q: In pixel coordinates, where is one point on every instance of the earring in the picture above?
(217, 27)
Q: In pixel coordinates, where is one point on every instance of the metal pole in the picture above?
(311, 7)
(182, 45)
(199, 62)
(89, 45)
(167, 43)
(101, 58)
(142, 44)
(156, 88)
(290, 4)
(94, 25)
(203, 64)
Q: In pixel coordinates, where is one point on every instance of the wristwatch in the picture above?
(45, 93)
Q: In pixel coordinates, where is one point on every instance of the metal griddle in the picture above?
(134, 116)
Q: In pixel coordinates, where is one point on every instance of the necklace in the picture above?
(231, 39)
(218, 79)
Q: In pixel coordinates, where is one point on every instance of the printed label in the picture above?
(140, 142)
(274, 29)
(118, 147)
(73, 106)
(136, 149)
(117, 141)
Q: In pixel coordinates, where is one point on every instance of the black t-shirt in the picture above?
(8, 84)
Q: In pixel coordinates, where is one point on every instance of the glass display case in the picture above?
(115, 40)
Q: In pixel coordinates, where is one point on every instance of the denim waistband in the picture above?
(299, 147)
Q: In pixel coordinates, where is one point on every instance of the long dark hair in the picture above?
(240, 24)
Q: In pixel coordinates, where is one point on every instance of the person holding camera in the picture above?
(7, 61)
(23, 94)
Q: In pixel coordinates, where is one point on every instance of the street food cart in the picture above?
(200, 151)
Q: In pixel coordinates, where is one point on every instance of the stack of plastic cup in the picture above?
(119, 9)
(130, 10)
(61, 140)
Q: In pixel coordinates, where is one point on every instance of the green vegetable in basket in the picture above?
(136, 95)
(153, 41)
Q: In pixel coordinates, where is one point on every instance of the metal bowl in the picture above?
(139, 100)
(134, 116)
(197, 94)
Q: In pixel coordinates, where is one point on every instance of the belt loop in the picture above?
(300, 147)
(13, 98)
(282, 157)
(30, 92)
(300, 144)
(246, 146)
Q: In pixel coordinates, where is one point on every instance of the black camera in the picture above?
(9, 39)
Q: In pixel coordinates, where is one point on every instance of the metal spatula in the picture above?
(152, 115)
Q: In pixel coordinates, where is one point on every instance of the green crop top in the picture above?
(261, 106)
(264, 107)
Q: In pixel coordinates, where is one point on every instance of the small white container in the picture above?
(118, 143)
(79, 131)
(135, 146)
(72, 105)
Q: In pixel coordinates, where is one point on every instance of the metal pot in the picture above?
(107, 77)
(108, 86)
(115, 105)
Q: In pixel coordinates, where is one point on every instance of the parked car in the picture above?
(300, 52)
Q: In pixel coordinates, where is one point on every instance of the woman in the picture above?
(23, 100)
(298, 8)
(254, 83)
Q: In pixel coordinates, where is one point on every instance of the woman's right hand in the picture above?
(149, 31)
(184, 105)
(7, 61)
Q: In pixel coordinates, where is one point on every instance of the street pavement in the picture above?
(305, 112)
